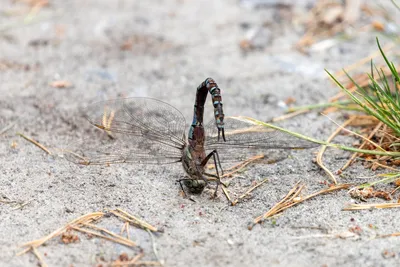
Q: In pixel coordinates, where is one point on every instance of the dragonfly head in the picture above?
(195, 186)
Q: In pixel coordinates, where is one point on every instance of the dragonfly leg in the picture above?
(217, 163)
(217, 155)
(183, 190)
(180, 184)
(223, 134)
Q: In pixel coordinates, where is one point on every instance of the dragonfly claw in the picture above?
(223, 134)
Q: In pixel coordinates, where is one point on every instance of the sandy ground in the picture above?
(176, 45)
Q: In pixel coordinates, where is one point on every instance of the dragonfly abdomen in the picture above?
(209, 85)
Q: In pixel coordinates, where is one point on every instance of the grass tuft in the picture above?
(382, 98)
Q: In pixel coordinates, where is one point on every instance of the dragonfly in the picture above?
(149, 131)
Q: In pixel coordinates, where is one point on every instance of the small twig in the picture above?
(153, 242)
(39, 242)
(123, 228)
(297, 188)
(241, 165)
(323, 149)
(132, 219)
(20, 206)
(24, 251)
(389, 235)
(116, 236)
(128, 235)
(394, 190)
(327, 190)
(41, 261)
(35, 143)
(384, 135)
(384, 166)
(124, 218)
(122, 241)
(292, 199)
(5, 201)
(354, 156)
(356, 134)
(248, 192)
(372, 206)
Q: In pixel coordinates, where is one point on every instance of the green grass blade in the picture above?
(313, 140)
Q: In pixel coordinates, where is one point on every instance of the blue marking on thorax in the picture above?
(191, 130)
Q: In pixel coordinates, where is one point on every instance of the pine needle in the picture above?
(323, 149)
(132, 219)
(372, 206)
(36, 143)
(248, 192)
(354, 156)
(292, 198)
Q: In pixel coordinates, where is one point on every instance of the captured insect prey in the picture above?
(149, 131)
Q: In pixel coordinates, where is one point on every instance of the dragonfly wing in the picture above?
(143, 130)
(244, 138)
(139, 116)
(232, 155)
(139, 150)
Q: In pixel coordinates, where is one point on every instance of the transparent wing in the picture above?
(139, 116)
(244, 138)
(105, 151)
(140, 130)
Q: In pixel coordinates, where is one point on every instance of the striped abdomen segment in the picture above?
(209, 85)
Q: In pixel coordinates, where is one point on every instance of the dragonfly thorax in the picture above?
(191, 161)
